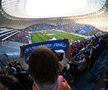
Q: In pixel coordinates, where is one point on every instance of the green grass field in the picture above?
(46, 35)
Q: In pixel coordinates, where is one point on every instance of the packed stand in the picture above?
(14, 77)
(21, 37)
(84, 55)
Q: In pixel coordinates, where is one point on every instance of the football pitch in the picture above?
(53, 35)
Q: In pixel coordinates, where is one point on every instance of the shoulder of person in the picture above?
(62, 84)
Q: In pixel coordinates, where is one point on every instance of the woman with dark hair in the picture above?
(44, 68)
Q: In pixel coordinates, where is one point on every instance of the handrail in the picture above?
(9, 36)
(7, 33)
(4, 31)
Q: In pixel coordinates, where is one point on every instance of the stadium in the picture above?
(75, 29)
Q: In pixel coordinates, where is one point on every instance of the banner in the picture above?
(53, 45)
(84, 30)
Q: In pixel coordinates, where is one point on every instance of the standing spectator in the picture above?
(44, 68)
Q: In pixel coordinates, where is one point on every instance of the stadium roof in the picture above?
(50, 8)
(10, 8)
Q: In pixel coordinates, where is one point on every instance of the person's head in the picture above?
(86, 53)
(43, 65)
(18, 68)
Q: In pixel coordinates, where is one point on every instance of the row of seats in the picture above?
(5, 34)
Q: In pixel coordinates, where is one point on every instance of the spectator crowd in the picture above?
(84, 55)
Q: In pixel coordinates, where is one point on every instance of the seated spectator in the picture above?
(44, 68)
(10, 83)
(92, 57)
(82, 65)
(75, 51)
(22, 76)
(86, 57)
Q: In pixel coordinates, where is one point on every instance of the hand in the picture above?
(22, 51)
(65, 86)
(68, 49)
